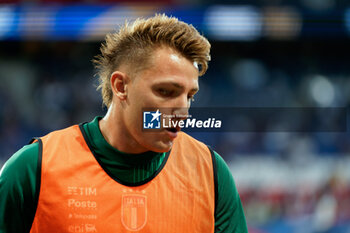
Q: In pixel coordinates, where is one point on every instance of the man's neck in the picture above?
(113, 129)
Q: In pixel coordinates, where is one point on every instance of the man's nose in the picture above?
(182, 108)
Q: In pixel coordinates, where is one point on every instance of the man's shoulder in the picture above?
(188, 142)
(73, 130)
(23, 160)
(186, 137)
(182, 136)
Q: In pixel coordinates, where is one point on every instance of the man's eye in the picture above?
(164, 92)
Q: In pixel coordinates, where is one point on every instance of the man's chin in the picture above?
(162, 146)
(157, 141)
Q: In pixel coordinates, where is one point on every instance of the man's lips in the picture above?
(173, 125)
(173, 131)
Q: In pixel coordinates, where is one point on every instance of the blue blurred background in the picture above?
(277, 53)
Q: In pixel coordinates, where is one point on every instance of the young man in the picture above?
(109, 175)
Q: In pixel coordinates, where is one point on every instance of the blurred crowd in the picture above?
(44, 87)
(50, 85)
(302, 210)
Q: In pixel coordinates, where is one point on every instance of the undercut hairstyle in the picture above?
(134, 43)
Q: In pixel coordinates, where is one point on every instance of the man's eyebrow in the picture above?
(179, 86)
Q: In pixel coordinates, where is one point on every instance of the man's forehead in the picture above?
(176, 58)
(169, 65)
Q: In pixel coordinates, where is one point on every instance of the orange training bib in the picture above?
(77, 195)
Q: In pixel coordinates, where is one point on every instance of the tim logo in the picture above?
(151, 120)
(134, 211)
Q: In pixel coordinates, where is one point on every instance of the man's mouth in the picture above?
(174, 130)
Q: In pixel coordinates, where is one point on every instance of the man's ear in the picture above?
(119, 82)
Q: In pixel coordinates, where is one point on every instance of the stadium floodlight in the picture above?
(233, 22)
(7, 18)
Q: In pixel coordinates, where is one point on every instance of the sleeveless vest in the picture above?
(77, 195)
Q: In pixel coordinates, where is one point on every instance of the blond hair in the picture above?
(134, 43)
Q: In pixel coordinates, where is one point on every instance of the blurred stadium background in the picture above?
(277, 53)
